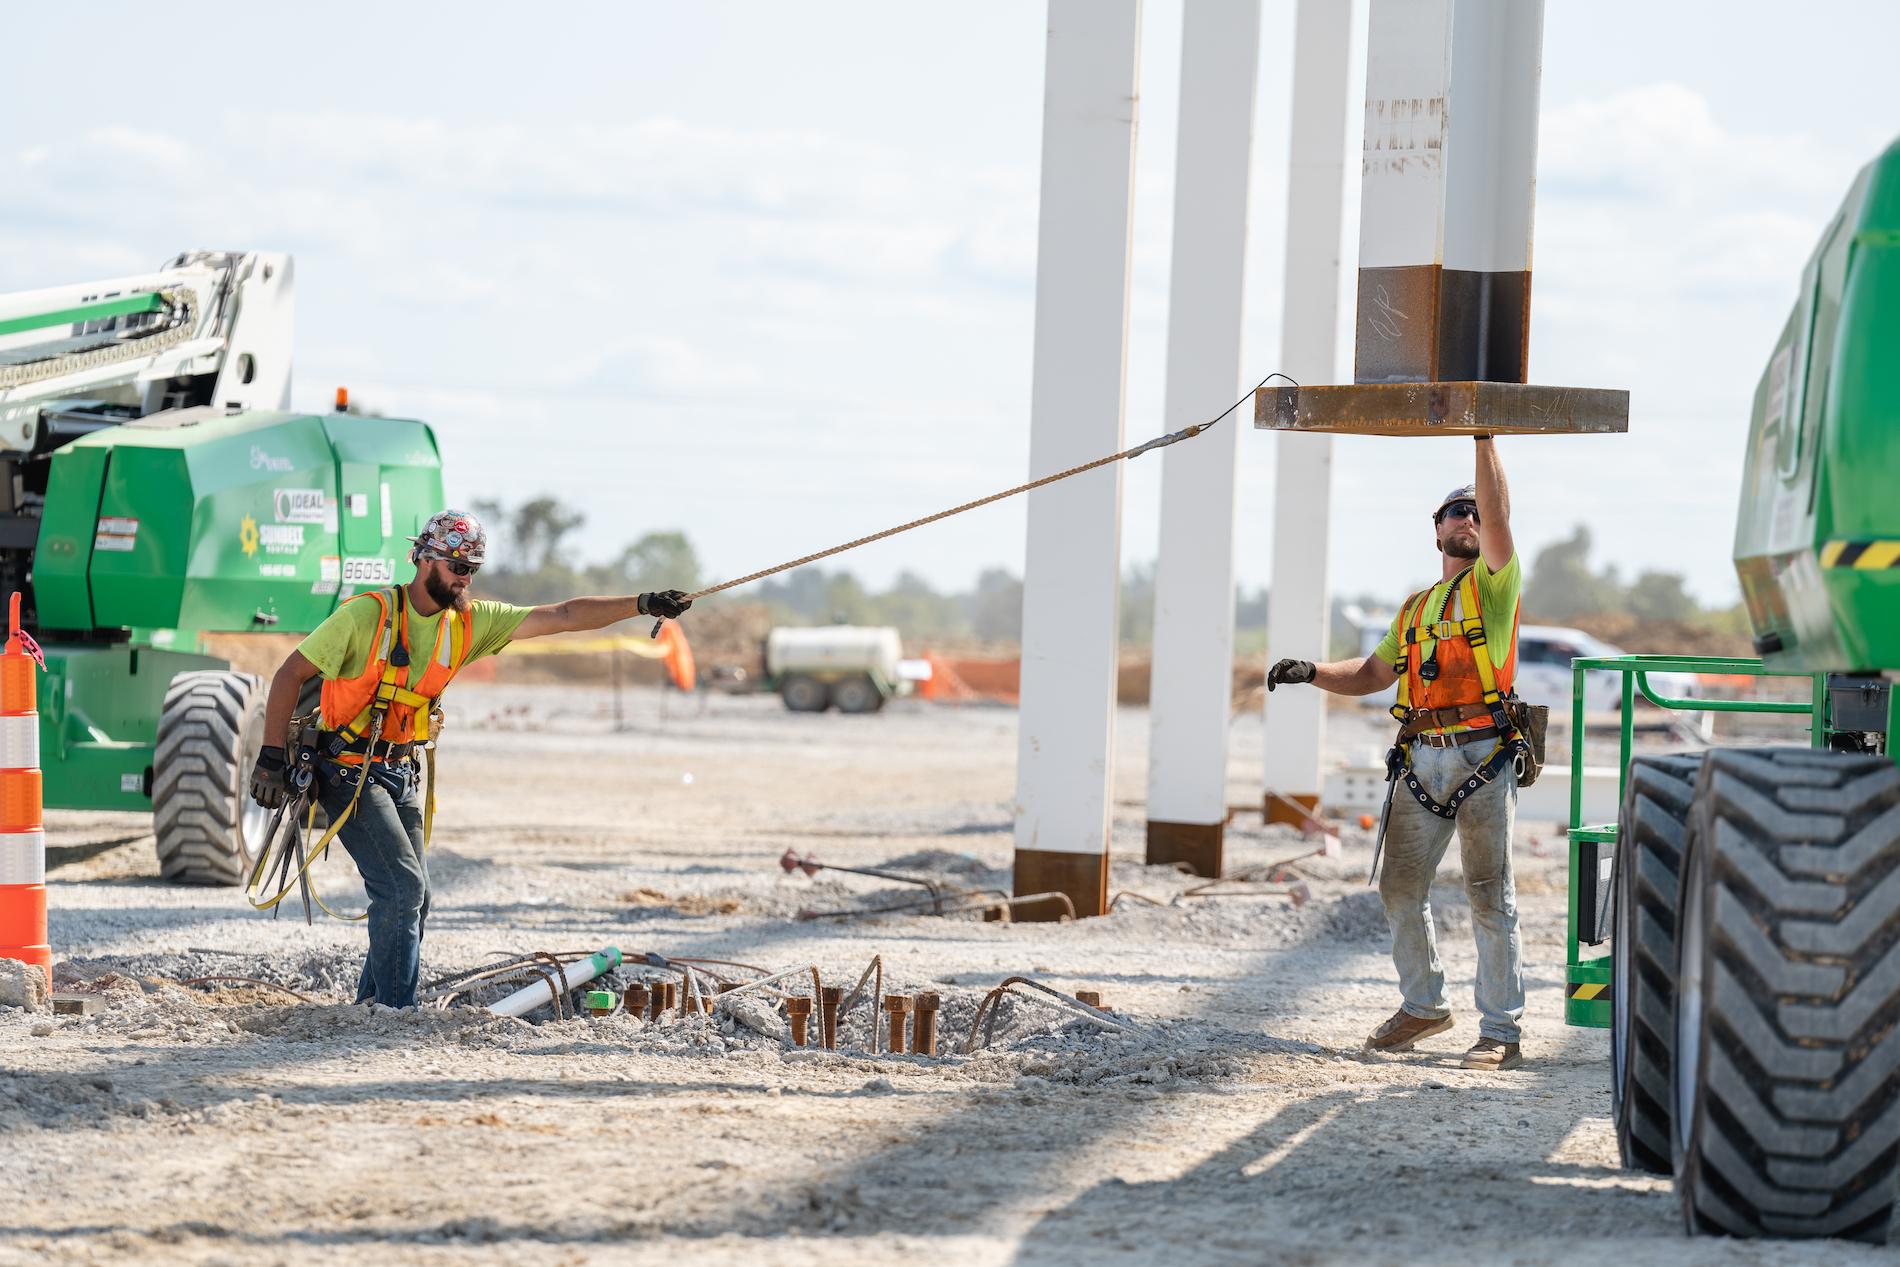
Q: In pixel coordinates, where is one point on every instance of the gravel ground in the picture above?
(228, 1121)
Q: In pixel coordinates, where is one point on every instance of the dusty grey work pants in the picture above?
(1415, 841)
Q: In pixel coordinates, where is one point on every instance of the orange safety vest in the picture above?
(1461, 673)
(1463, 670)
(350, 706)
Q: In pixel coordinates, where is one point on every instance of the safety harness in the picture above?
(378, 706)
(1470, 627)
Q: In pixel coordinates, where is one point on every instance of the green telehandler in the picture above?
(154, 489)
(1750, 896)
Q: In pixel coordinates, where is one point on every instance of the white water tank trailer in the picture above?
(853, 668)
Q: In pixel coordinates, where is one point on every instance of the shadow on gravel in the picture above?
(65, 855)
(1303, 1186)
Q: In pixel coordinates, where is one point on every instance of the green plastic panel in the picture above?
(68, 527)
(254, 521)
(1817, 543)
(99, 710)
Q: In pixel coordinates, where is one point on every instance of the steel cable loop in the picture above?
(1159, 442)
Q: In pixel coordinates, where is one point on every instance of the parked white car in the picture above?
(1544, 653)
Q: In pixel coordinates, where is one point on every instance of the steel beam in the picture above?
(1190, 691)
(1442, 409)
(1072, 566)
(1298, 606)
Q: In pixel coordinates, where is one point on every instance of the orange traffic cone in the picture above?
(22, 834)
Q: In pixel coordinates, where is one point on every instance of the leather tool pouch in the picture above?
(1531, 720)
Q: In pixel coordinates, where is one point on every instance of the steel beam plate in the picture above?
(1442, 409)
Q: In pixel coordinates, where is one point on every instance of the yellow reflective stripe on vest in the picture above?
(1480, 653)
(1413, 607)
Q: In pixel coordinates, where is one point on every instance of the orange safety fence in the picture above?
(670, 647)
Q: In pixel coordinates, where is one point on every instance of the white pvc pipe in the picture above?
(529, 997)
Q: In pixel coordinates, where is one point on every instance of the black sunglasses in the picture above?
(457, 566)
(1459, 510)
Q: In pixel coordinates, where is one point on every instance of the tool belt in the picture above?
(335, 747)
(1421, 720)
(1455, 738)
(1531, 720)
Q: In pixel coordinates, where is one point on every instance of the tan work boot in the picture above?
(1404, 1030)
(1489, 1053)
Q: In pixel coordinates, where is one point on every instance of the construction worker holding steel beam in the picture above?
(385, 657)
(1463, 739)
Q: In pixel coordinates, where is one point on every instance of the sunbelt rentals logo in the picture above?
(248, 537)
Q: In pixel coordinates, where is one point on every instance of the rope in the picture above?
(1159, 442)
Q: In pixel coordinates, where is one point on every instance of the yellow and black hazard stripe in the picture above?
(1588, 990)
(1861, 555)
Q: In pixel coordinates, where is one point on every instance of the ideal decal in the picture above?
(116, 532)
(300, 505)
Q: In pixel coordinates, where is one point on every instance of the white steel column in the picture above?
(1298, 602)
(1191, 688)
(1072, 568)
(1450, 178)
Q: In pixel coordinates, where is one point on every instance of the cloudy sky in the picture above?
(765, 272)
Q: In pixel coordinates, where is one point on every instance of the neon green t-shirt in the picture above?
(340, 646)
(1497, 604)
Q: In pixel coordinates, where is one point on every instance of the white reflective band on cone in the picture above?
(23, 857)
(20, 741)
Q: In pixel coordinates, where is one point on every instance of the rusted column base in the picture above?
(1303, 807)
(1196, 844)
(1082, 876)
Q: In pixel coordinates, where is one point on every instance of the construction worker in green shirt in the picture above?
(1452, 650)
(385, 657)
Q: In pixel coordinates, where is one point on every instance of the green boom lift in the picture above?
(1750, 897)
(155, 490)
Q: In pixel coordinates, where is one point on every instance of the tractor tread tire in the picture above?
(211, 723)
(1656, 800)
(1795, 1127)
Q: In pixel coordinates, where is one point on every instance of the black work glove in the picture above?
(1289, 671)
(270, 786)
(667, 604)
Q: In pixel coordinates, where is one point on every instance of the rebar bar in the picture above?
(791, 861)
(987, 1010)
(850, 1000)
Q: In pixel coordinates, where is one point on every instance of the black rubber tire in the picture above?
(1649, 837)
(210, 728)
(803, 693)
(856, 695)
(1788, 1073)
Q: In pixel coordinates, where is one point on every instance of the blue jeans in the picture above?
(384, 837)
(1415, 841)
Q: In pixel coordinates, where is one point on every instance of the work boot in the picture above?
(1492, 1054)
(1404, 1030)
